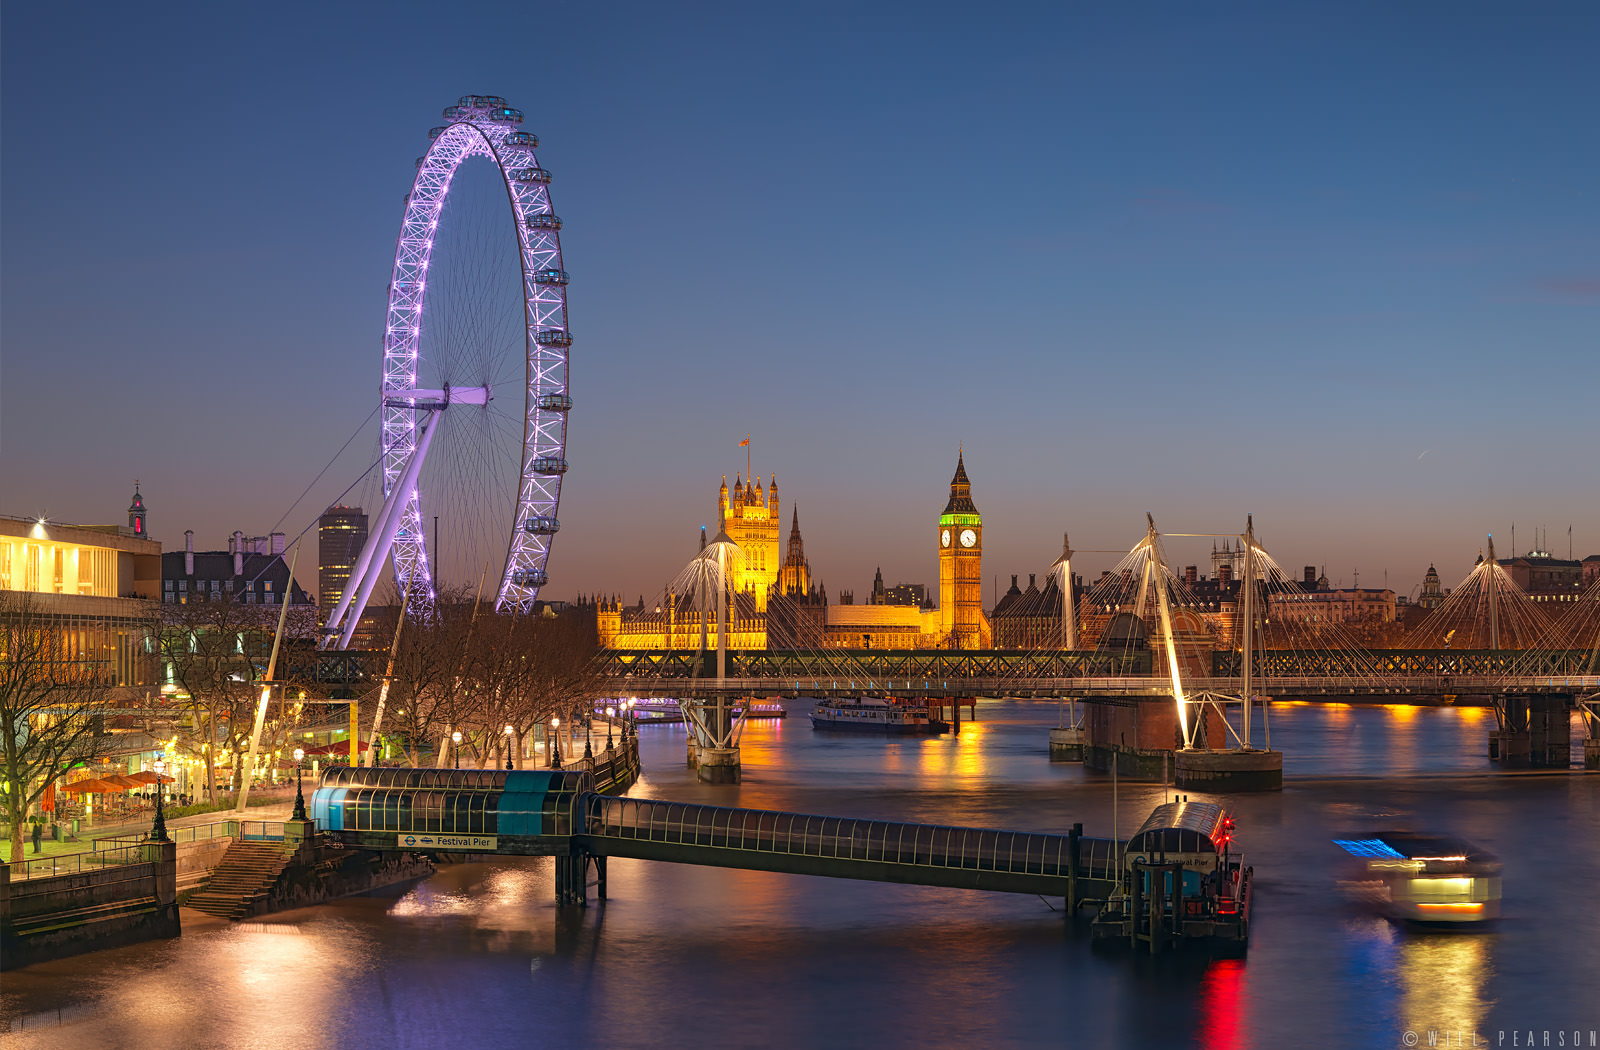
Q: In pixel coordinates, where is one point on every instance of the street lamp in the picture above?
(611, 713)
(510, 737)
(633, 719)
(555, 743)
(299, 792)
(158, 830)
(455, 746)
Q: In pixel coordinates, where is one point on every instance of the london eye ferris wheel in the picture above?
(474, 390)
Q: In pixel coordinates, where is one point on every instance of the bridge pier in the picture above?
(718, 765)
(1229, 770)
(1535, 733)
(1591, 753)
(1066, 744)
(713, 738)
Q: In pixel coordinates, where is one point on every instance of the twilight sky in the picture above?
(1335, 265)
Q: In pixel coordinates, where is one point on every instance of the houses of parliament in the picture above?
(775, 601)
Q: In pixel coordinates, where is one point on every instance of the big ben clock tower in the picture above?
(961, 565)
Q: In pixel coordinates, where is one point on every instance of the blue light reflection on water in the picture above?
(478, 955)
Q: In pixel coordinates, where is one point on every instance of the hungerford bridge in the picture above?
(1200, 695)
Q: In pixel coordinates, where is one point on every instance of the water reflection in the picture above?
(479, 952)
(1442, 978)
(1222, 1007)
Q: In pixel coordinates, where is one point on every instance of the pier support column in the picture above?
(1229, 770)
(1066, 745)
(1536, 733)
(1591, 753)
(718, 765)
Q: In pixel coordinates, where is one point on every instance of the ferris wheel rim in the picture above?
(482, 126)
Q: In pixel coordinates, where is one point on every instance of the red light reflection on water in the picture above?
(1222, 1022)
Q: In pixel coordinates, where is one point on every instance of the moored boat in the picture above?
(876, 715)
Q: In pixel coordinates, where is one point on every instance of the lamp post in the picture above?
(555, 743)
(455, 746)
(610, 714)
(158, 830)
(511, 735)
(633, 719)
(299, 792)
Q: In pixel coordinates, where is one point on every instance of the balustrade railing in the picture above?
(838, 838)
(76, 863)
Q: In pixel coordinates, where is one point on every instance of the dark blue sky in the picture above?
(1335, 265)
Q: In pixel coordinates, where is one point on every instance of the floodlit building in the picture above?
(97, 583)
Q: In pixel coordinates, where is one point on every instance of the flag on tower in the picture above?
(745, 442)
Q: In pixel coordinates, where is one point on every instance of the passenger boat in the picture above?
(876, 715)
(1181, 882)
(1426, 880)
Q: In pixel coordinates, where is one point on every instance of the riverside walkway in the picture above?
(559, 813)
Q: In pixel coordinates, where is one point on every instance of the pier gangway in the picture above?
(559, 813)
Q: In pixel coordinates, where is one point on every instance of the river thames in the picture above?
(477, 955)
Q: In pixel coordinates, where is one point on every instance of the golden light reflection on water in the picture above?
(1442, 980)
(940, 758)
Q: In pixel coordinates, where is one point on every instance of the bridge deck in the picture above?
(845, 847)
(558, 813)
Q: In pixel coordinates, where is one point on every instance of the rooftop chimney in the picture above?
(236, 548)
(188, 552)
(278, 544)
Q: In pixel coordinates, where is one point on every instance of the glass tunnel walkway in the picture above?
(558, 813)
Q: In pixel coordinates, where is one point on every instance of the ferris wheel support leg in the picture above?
(358, 571)
(382, 540)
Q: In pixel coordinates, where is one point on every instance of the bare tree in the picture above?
(215, 652)
(53, 703)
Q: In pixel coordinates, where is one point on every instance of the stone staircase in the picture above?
(242, 880)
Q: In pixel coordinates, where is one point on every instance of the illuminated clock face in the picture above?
(968, 537)
(944, 538)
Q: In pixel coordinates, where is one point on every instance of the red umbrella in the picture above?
(93, 787)
(146, 776)
(125, 782)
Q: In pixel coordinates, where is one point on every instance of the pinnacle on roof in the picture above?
(960, 491)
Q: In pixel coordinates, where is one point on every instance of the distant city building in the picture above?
(962, 623)
(251, 570)
(1332, 606)
(779, 604)
(750, 518)
(915, 594)
(1432, 595)
(341, 533)
(1544, 578)
(1031, 619)
(97, 583)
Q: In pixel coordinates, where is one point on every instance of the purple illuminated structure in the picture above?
(478, 126)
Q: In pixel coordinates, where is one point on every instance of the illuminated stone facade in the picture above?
(750, 518)
(962, 623)
(97, 584)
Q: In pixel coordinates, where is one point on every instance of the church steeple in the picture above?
(136, 513)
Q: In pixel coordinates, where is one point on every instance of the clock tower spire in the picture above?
(961, 618)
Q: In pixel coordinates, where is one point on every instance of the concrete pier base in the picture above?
(1591, 753)
(718, 765)
(1230, 770)
(1537, 733)
(1066, 745)
(1132, 763)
